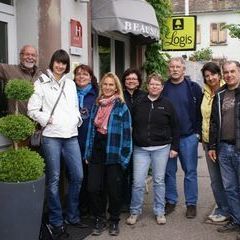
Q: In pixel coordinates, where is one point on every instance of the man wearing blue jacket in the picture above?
(186, 96)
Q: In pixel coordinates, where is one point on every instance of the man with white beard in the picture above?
(26, 70)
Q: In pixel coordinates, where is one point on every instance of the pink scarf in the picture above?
(104, 110)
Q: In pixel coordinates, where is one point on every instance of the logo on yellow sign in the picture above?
(182, 34)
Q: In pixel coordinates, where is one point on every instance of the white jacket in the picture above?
(66, 118)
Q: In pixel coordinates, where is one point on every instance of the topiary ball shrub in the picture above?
(16, 127)
(20, 165)
(19, 89)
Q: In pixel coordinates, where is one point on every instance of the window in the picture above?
(119, 58)
(111, 53)
(218, 35)
(8, 2)
(104, 46)
(4, 43)
(198, 34)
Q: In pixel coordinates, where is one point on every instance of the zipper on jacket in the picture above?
(149, 119)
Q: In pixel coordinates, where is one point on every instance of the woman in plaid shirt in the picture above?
(108, 150)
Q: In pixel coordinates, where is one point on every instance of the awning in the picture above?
(126, 16)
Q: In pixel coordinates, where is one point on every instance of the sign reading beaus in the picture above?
(182, 34)
(141, 28)
(76, 37)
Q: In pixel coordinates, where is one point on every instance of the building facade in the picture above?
(211, 16)
(102, 33)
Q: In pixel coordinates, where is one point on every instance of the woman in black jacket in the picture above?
(155, 137)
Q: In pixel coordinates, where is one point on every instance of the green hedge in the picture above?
(20, 165)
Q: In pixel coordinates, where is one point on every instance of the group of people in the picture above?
(108, 134)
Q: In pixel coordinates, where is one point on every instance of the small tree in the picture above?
(19, 164)
(234, 30)
(155, 60)
(204, 54)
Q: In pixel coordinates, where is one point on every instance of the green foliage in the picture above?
(19, 89)
(204, 54)
(155, 60)
(20, 166)
(234, 30)
(16, 127)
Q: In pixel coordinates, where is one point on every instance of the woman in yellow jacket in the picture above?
(212, 81)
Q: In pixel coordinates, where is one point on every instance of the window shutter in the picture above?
(214, 33)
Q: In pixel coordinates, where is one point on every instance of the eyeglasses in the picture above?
(131, 79)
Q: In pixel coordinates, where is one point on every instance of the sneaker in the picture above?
(169, 208)
(132, 219)
(57, 233)
(99, 227)
(229, 227)
(77, 224)
(217, 218)
(191, 211)
(161, 219)
(113, 229)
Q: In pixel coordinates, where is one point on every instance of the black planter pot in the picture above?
(21, 206)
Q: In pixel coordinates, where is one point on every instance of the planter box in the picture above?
(21, 206)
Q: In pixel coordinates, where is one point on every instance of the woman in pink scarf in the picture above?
(108, 149)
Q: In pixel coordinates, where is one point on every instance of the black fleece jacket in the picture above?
(155, 123)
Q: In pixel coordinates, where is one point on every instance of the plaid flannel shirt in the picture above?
(119, 135)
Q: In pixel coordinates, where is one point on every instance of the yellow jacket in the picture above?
(206, 108)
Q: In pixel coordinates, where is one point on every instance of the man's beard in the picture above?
(28, 65)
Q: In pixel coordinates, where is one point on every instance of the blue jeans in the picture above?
(229, 161)
(188, 156)
(53, 149)
(141, 162)
(217, 185)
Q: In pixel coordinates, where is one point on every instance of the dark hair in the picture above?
(230, 62)
(128, 72)
(90, 71)
(60, 56)
(211, 67)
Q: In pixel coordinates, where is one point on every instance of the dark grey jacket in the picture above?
(216, 118)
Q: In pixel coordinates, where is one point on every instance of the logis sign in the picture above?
(182, 34)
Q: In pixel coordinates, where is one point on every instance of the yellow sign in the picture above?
(182, 34)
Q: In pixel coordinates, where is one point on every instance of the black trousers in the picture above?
(127, 184)
(105, 182)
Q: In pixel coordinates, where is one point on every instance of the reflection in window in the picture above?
(104, 51)
(4, 43)
(8, 2)
(119, 58)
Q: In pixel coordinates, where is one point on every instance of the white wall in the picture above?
(27, 23)
(230, 50)
(78, 11)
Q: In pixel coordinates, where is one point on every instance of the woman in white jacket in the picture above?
(59, 138)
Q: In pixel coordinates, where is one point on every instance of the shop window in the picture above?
(119, 58)
(198, 34)
(4, 42)
(104, 54)
(218, 35)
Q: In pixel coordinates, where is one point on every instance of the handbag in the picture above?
(36, 138)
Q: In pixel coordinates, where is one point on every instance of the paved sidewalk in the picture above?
(177, 227)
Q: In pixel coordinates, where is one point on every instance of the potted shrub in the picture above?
(22, 179)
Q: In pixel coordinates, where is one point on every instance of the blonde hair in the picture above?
(117, 83)
(156, 76)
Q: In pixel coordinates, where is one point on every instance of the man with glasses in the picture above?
(26, 70)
